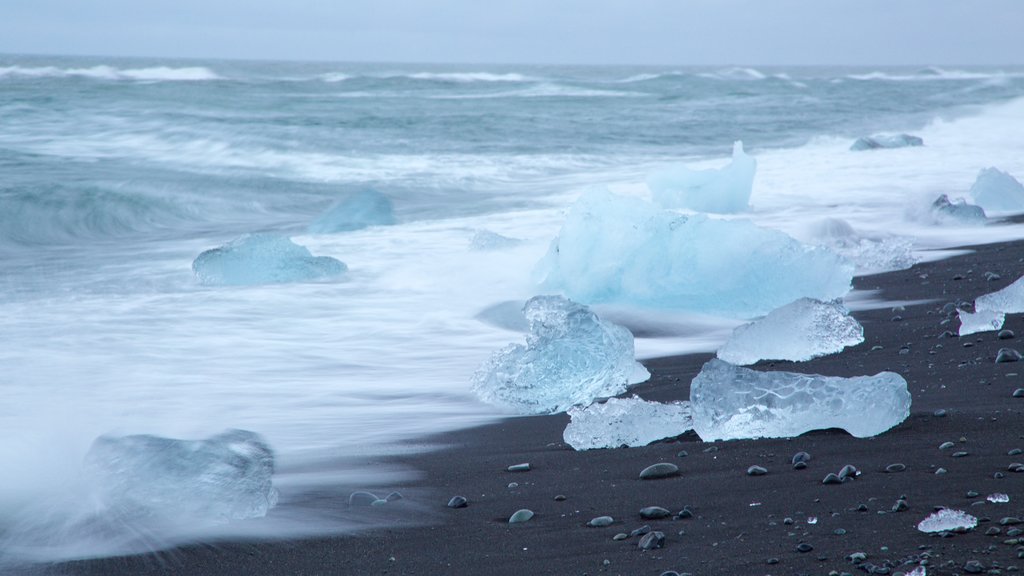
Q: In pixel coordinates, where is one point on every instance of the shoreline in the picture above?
(739, 522)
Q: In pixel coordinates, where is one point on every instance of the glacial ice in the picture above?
(730, 402)
(354, 212)
(1009, 300)
(886, 141)
(998, 191)
(263, 259)
(957, 211)
(982, 321)
(801, 330)
(625, 421)
(222, 478)
(571, 357)
(946, 520)
(725, 190)
(614, 249)
(486, 240)
(869, 254)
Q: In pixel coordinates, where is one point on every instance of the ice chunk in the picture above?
(983, 321)
(870, 255)
(998, 498)
(1009, 300)
(997, 191)
(263, 259)
(487, 240)
(801, 330)
(957, 211)
(225, 477)
(614, 249)
(571, 357)
(725, 190)
(354, 212)
(946, 520)
(730, 402)
(626, 421)
(886, 141)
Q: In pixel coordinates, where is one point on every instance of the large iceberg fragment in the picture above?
(997, 191)
(877, 141)
(625, 422)
(614, 249)
(798, 331)
(957, 211)
(724, 190)
(870, 255)
(947, 520)
(354, 212)
(1009, 300)
(263, 259)
(983, 321)
(571, 357)
(731, 402)
(225, 477)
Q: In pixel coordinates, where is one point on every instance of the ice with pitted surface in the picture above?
(946, 520)
(625, 422)
(1009, 300)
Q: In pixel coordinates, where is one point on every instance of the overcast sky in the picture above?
(950, 32)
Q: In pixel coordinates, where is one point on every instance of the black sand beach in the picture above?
(740, 524)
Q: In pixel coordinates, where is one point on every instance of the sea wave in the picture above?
(104, 72)
(470, 77)
(735, 73)
(934, 74)
(546, 90)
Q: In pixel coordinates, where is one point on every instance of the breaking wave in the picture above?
(934, 74)
(103, 72)
(547, 90)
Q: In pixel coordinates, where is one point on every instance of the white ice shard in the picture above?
(263, 259)
(870, 255)
(571, 357)
(1009, 300)
(946, 520)
(998, 191)
(225, 477)
(625, 422)
(614, 249)
(886, 141)
(983, 321)
(801, 330)
(730, 402)
(946, 211)
(725, 190)
(354, 212)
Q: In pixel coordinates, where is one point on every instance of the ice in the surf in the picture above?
(982, 321)
(870, 254)
(1009, 300)
(356, 211)
(571, 357)
(877, 141)
(485, 240)
(724, 190)
(801, 330)
(263, 259)
(947, 520)
(622, 250)
(957, 211)
(625, 422)
(998, 191)
(222, 478)
(731, 402)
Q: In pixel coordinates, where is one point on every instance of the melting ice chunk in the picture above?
(957, 212)
(983, 321)
(1009, 300)
(487, 240)
(625, 421)
(626, 251)
(724, 191)
(886, 141)
(225, 477)
(946, 520)
(798, 331)
(263, 259)
(870, 255)
(998, 498)
(730, 402)
(571, 357)
(354, 212)
(998, 191)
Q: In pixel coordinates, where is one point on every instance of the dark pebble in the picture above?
(960, 454)
(524, 467)
(1005, 335)
(799, 465)
(393, 496)
(651, 541)
(640, 531)
(523, 515)
(848, 471)
(670, 573)
(757, 471)
(897, 467)
(801, 457)
(946, 445)
(773, 561)
(682, 454)
(654, 513)
(972, 494)
(974, 567)
(362, 499)
(1018, 393)
(1010, 521)
(839, 531)
(940, 413)
(832, 478)
(600, 522)
(684, 513)
(659, 470)
(1015, 452)
(804, 547)
(899, 506)
(1007, 355)
(560, 498)
(458, 502)
(620, 536)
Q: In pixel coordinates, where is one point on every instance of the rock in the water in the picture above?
(625, 422)
(946, 520)
(571, 357)
(652, 541)
(725, 190)
(523, 515)
(354, 212)
(263, 259)
(659, 470)
(984, 321)
(730, 402)
(878, 141)
(1007, 355)
(458, 502)
(998, 191)
(957, 211)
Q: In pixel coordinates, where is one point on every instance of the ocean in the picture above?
(115, 174)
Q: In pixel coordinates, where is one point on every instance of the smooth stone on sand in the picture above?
(524, 467)
(361, 498)
(757, 471)
(1007, 355)
(520, 516)
(601, 522)
(651, 541)
(620, 536)
(1005, 334)
(897, 467)
(458, 502)
(800, 457)
(659, 470)
(379, 502)
(832, 478)
(640, 531)
(800, 466)
(946, 445)
(654, 513)
(849, 471)
(1018, 393)
(804, 547)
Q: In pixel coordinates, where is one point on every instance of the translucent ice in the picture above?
(225, 477)
(800, 330)
(869, 254)
(725, 190)
(354, 212)
(730, 402)
(997, 191)
(487, 240)
(571, 357)
(886, 141)
(1009, 300)
(946, 520)
(263, 259)
(624, 250)
(957, 211)
(625, 421)
(983, 321)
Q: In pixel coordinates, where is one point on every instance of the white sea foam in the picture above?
(933, 74)
(103, 72)
(470, 77)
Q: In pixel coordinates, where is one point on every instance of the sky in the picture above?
(658, 32)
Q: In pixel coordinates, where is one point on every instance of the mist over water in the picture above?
(117, 174)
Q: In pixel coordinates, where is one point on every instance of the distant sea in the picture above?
(115, 174)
